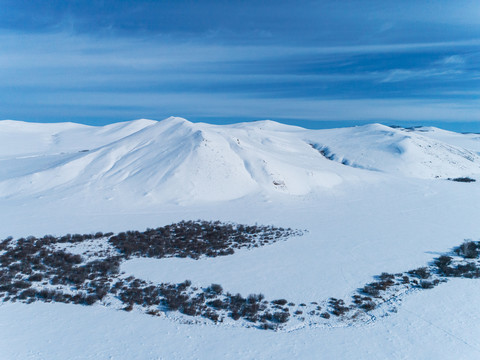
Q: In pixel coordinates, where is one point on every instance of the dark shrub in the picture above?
(443, 263)
(386, 276)
(468, 270)
(368, 306)
(189, 309)
(281, 317)
(338, 306)
(22, 284)
(421, 272)
(268, 326)
(36, 277)
(212, 315)
(235, 315)
(425, 284)
(28, 293)
(183, 286)
(215, 288)
(463, 179)
(253, 298)
(370, 289)
(468, 250)
(217, 304)
(374, 288)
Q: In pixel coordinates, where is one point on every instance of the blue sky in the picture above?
(311, 63)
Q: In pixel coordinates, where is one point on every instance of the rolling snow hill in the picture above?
(177, 161)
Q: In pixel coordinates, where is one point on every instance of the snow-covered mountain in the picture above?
(175, 160)
(399, 151)
(372, 199)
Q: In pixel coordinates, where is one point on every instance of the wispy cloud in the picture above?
(398, 75)
(447, 67)
(64, 49)
(454, 60)
(64, 76)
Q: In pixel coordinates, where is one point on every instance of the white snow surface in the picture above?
(372, 199)
(435, 324)
(178, 161)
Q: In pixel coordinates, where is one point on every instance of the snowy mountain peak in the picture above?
(174, 121)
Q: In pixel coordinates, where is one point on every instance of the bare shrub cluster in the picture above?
(36, 269)
(462, 179)
(194, 239)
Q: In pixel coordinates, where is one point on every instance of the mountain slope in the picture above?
(178, 161)
(396, 151)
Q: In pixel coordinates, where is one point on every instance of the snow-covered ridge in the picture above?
(399, 151)
(175, 160)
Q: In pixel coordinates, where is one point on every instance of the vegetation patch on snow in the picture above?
(85, 269)
(194, 239)
(462, 179)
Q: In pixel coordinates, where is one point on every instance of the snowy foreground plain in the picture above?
(373, 199)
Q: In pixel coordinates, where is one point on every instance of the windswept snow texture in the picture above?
(398, 152)
(177, 161)
(378, 201)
